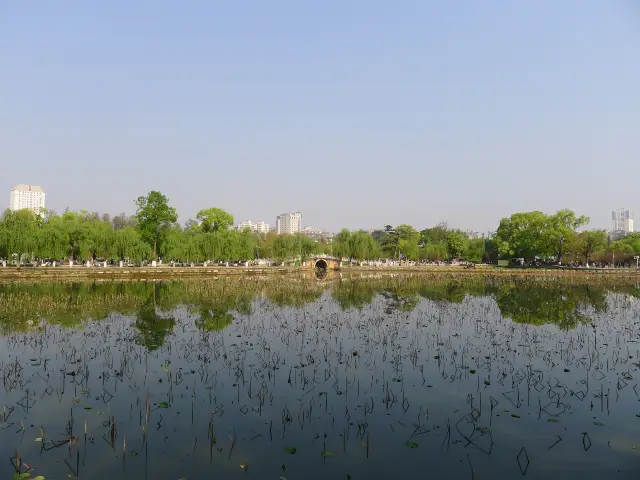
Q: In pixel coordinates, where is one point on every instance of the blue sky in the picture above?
(359, 113)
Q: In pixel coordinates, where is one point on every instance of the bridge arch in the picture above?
(321, 264)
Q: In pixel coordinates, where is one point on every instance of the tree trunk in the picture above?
(155, 242)
(560, 252)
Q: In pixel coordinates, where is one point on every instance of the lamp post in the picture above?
(637, 257)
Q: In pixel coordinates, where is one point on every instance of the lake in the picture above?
(379, 378)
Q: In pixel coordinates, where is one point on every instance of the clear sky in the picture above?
(359, 113)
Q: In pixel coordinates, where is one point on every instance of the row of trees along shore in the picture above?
(153, 232)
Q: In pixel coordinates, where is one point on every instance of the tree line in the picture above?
(153, 233)
(556, 238)
(405, 243)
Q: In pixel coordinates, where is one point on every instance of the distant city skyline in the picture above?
(620, 216)
(359, 113)
(255, 227)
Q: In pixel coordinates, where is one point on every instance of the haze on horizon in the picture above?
(359, 113)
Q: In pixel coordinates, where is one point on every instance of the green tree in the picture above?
(306, 246)
(128, 245)
(341, 245)
(214, 220)
(434, 252)
(589, 242)
(632, 240)
(285, 247)
(123, 221)
(408, 238)
(154, 215)
(522, 235)
(491, 253)
(619, 251)
(391, 241)
(476, 250)
(52, 242)
(267, 245)
(457, 245)
(560, 231)
(19, 233)
(362, 246)
(434, 235)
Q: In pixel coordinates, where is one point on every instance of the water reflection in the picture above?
(214, 313)
(215, 302)
(152, 325)
(393, 377)
(564, 306)
(321, 274)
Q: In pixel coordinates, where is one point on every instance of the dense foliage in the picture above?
(153, 232)
(554, 238)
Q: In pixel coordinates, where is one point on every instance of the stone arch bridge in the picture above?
(322, 263)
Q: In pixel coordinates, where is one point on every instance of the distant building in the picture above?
(255, 227)
(289, 223)
(622, 223)
(30, 197)
(318, 235)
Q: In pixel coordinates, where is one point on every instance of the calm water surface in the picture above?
(361, 379)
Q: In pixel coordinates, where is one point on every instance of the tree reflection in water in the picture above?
(216, 302)
(153, 327)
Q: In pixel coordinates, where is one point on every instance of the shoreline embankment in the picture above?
(80, 273)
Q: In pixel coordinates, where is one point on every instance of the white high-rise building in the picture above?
(289, 223)
(622, 221)
(255, 227)
(30, 197)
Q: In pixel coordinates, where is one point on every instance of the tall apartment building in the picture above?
(289, 223)
(30, 197)
(622, 221)
(255, 227)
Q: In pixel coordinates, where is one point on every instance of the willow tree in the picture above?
(171, 244)
(341, 245)
(362, 246)
(128, 245)
(246, 244)
(19, 233)
(305, 246)
(51, 242)
(71, 228)
(99, 239)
